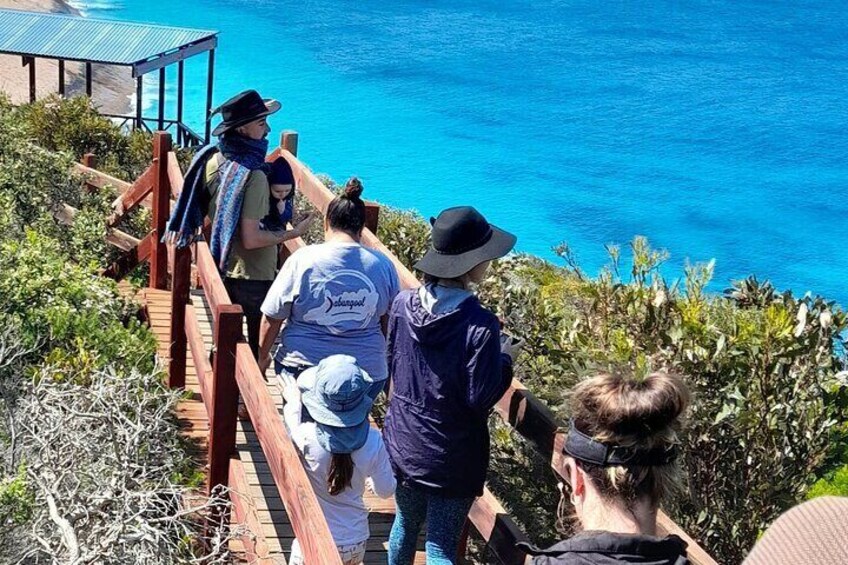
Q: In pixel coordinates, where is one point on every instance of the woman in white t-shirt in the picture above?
(332, 297)
(326, 412)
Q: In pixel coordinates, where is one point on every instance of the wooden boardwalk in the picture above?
(273, 523)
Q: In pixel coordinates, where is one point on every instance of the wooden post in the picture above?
(210, 81)
(62, 78)
(161, 210)
(288, 141)
(180, 286)
(89, 160)
(162, 98)
(222, 419)
(31, 62)
(88, 79)
(139, 88)
(180, 86)
(372, 216)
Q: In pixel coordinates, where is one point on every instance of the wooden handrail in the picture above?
(306, 515)
(137, 193)
(210, 279)
(96, 179)
(66, 214)
(175, 175)
(200, 356)
(131, 259)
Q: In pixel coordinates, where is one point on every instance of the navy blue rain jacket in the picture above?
(447, 372)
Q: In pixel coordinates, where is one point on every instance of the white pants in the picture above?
(350, 554)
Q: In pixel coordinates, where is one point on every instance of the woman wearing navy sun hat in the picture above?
(449, 365)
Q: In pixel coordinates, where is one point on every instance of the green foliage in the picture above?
(74, 126)
(406, 233)
(16, 498)
(77, 320)
(769, 397)
(834, 484)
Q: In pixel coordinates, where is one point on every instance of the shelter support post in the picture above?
(210, 77)
(88, 79)
(138, 101)
(162, 99)
(180, 86)
(31, 62)
(62, 77)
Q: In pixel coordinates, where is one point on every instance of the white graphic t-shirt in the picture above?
(336, 294)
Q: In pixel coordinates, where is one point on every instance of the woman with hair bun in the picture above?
(332, 297)
(621, 460)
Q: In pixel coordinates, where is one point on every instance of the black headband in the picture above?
(585, 449)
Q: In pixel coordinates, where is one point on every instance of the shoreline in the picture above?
(113, 87)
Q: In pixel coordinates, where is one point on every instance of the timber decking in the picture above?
(274, 528)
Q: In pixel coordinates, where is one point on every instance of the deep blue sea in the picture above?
(715, 128)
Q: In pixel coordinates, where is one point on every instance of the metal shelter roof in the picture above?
(144, 47)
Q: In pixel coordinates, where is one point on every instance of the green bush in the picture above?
(833, 484)
(73, 126)
(76, 320)
(16, 498)
(764, 367)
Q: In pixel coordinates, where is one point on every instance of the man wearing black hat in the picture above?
(251, 263)
(227, 182)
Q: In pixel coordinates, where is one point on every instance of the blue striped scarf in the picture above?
(242, 155)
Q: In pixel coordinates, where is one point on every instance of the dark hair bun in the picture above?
(352, 189)
(622, 405)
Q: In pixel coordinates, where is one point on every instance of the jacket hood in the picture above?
(435, 328)
(606, 548)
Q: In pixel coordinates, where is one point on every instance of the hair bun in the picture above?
(619, 405)
(352, 189)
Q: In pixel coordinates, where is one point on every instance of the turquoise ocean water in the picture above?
(715, 128)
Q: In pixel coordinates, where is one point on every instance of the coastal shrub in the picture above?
(834, 483)
(76, 318)
(73, 126)
(764, 368)
(767, 370)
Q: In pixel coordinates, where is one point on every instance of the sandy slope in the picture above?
(113, 86)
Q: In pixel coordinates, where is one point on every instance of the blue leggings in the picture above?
(445, 518)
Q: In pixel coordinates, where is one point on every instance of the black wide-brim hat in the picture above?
(462, 239)
(243, 108)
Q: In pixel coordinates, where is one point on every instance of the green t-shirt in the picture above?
(252, 264)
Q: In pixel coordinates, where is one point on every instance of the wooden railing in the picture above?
(234, 371)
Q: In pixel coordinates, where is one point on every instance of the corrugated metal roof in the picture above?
(60, 36)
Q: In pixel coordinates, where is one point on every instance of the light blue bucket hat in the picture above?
(335, 392)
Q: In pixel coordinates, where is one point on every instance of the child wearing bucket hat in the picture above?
(449, 365)
(326, 412)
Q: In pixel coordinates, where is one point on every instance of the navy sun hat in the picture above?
(462, 239)
(335, 392)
